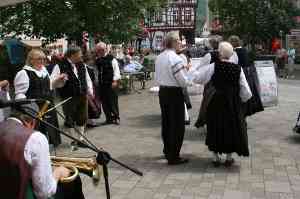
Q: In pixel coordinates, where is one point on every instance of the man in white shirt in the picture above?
(108, 78)
(25, 161)
(170, 74)
(77, 85)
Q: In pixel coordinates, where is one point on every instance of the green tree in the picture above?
(111, 20)
(256, 21)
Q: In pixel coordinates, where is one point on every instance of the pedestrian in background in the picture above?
(291, 53)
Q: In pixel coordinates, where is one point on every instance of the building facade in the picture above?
(176, 15)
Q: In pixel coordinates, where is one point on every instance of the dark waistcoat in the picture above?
(74, 86)
(105, 68)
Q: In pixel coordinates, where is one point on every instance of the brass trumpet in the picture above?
(87, 166)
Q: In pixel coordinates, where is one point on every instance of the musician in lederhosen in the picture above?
(170, 74)
(33, 82)
(77, 85)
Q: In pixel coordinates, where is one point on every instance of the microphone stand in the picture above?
(102, 158)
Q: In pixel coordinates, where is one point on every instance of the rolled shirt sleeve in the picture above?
(90, 88)
(245, 92)
(117, 74)
(21, 84)
(203, 74)
(54, 75)
(37, 155)
(180, 73)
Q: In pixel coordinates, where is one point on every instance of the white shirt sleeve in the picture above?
(37, 155)
(203, 74)
(234, 58)
(54, 75)
(180, 73)
(117, 74)
(21, 84)
(90, 88)
(245, 92)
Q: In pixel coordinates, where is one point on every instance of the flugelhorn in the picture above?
(88, 166)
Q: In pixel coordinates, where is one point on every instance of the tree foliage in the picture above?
(112, 20)
(256, 21)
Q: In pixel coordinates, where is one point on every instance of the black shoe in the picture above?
(107, 122)
(229, 163)
(91, 125)
(116, 122)
(74, 146)
(187, 122)
(82, 144)
(216, 163)
(178, 161)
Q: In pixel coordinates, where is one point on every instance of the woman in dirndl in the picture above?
(226, 128)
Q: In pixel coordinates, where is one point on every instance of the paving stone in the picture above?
(230, 194)
(282, 187)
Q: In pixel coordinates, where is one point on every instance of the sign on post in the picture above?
(267, 82)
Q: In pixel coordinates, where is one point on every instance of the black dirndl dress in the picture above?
(226, 126)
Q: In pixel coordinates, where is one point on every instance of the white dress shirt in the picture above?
(37, 155)
(21, 81)
(170, 70)
(117, 74)
(203, 75)
(56, 72)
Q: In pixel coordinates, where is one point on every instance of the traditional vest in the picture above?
(74, 86)
(214, 56)
(105, 68)
(15, 171)
(39, 87)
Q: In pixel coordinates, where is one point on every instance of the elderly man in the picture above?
(109, 75)
(77, 85)
(171, 76)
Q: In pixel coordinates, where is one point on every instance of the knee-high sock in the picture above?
(186, 113)
(82, 131)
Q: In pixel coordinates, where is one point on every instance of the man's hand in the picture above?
(188, 66)
(114, 84)
(60, 172)
(4, 85)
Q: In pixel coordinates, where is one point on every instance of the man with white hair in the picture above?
(109, 75)
(171, 76)
(226, 129)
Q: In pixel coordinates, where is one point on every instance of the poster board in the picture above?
(267, 82)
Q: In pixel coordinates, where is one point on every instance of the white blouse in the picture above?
(203, 75)
(21, 81)
(56, 72)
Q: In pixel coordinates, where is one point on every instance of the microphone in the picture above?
(19, 102)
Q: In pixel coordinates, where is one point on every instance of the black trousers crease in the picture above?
(171, 101)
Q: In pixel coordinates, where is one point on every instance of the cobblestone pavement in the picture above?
(271, 172)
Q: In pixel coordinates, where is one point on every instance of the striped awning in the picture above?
(10, 2)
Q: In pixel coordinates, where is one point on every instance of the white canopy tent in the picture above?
(10, 2)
